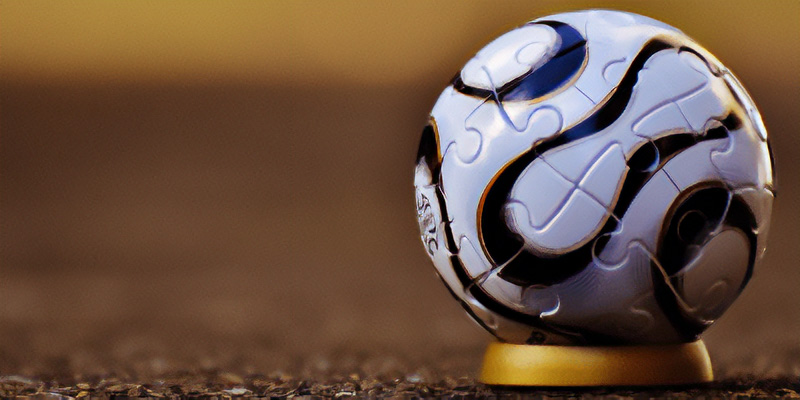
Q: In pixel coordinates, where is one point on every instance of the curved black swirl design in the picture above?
(712, 206)
(505, 249)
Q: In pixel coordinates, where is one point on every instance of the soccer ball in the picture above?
(594, 177)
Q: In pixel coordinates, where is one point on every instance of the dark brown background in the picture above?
(210, 186)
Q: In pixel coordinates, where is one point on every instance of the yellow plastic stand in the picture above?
(646, 365)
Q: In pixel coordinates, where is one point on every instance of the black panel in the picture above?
(428, 152)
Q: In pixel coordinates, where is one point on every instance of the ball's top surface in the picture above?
(594, 177)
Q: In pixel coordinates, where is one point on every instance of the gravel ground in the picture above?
(217, 385)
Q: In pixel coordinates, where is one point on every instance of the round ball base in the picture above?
(648, 365)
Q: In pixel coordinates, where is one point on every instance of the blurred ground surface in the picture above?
(154, 232)
(221, 230)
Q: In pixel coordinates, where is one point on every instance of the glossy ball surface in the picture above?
(594, 177)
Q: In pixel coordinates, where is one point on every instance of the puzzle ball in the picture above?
(594, 177)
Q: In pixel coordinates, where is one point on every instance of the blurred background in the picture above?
(228, 185)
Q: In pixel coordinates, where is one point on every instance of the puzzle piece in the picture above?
(427, 202)
(450, 112)
(541, 301)
(614, 70)
(427, 223)
(486, 121)
(486, 276)
(575, 206)
(505, 329)
(547, 202)
(616, 302)
(620, 36)
(510, 56)
(693, 165)
(491, 282)
(640, 224)
(641, 320)
(602, 178)
(614, 61)
(483, 316)
(471, 141)
(711, 281)
(442, 257)
(632, 324)
(491, 116)
(475, 264)
(759, 202)
(466, 181)
(744, 159)
(662, 118)
(502, 327)
(575, 224)
(528, 301)
(747, 102)
(523, 117)
(670, 78)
